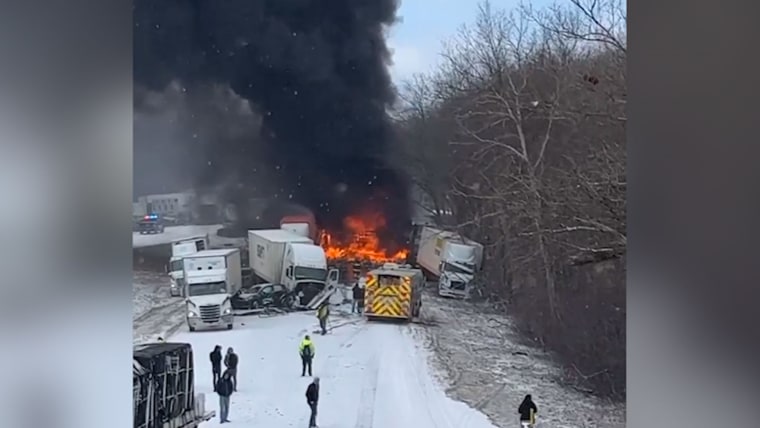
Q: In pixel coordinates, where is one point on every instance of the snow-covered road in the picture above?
(373, 375)
(155, 313)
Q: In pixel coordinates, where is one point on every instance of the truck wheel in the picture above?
(191, 328)
(229, 326)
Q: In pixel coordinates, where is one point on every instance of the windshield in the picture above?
(206, 288)
(175, 266)
(448, 267)
(316, 274)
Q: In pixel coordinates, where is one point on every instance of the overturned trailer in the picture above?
(164, 388)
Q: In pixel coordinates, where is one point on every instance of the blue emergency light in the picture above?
(151, 217)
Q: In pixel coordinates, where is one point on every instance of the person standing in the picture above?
(322, 313)
(360, 300)
(224, 388)
(231, 362)
(216, 364)
(527, 411)
(355, 303)
(312, 398)
(306, 350)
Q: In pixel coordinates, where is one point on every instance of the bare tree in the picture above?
(528, 112)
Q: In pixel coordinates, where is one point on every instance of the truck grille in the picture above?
(211, 313)
(457, 285)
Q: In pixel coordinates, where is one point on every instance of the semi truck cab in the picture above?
(212, 277)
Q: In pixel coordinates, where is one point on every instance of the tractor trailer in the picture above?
(212, 277)
(450, 259)
(279, 256)
(180, 249)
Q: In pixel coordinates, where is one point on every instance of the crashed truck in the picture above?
(449, 258)
(175, 269)
(163, 387)
(284, 257)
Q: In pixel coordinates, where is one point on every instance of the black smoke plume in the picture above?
(316, 73)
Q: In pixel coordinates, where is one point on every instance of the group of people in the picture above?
(224, 383)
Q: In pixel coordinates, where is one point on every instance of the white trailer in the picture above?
(180, 249)
(212, 277)
(282, 257)
(449, 258)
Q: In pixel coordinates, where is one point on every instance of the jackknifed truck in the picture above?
(449, 258)
(279, 256)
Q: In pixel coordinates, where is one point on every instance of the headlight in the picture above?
(191, 314)
(227, 311)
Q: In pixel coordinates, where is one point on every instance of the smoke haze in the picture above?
(315, 76)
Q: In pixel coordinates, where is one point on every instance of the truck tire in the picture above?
(229, 326)
(191, 328)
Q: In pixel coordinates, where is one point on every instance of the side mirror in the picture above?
(166, 268)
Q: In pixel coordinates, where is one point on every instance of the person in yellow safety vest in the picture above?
(322, 313)
(306, 351)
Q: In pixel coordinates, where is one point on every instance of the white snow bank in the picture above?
(172, 233)
(487, 367)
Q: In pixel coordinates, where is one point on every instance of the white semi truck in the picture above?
(212, 277)
(279, 256)
(180, 249)
(449, 258)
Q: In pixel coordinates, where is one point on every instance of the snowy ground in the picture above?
(172, 233)
(372, 375)
(489, 369)
(377, 374)
(155, 312)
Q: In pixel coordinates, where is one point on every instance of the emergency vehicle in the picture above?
(151, 223)
(393, 291)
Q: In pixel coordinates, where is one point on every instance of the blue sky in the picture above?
(418, 39)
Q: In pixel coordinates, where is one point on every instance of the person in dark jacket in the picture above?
(231, 362)
(312, 398)
(360, 303)
(224, 388)
(527, 411)
(216, 364)
(358, 295)
(306, 351)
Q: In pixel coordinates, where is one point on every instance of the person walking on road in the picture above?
(358, 295)
(231, 362)
(527, 411)
(322, 313)
(224, 388)
(360, 300)
(216, 364)
(306, 350)
(312, 398)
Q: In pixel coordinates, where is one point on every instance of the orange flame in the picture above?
(364, 245)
